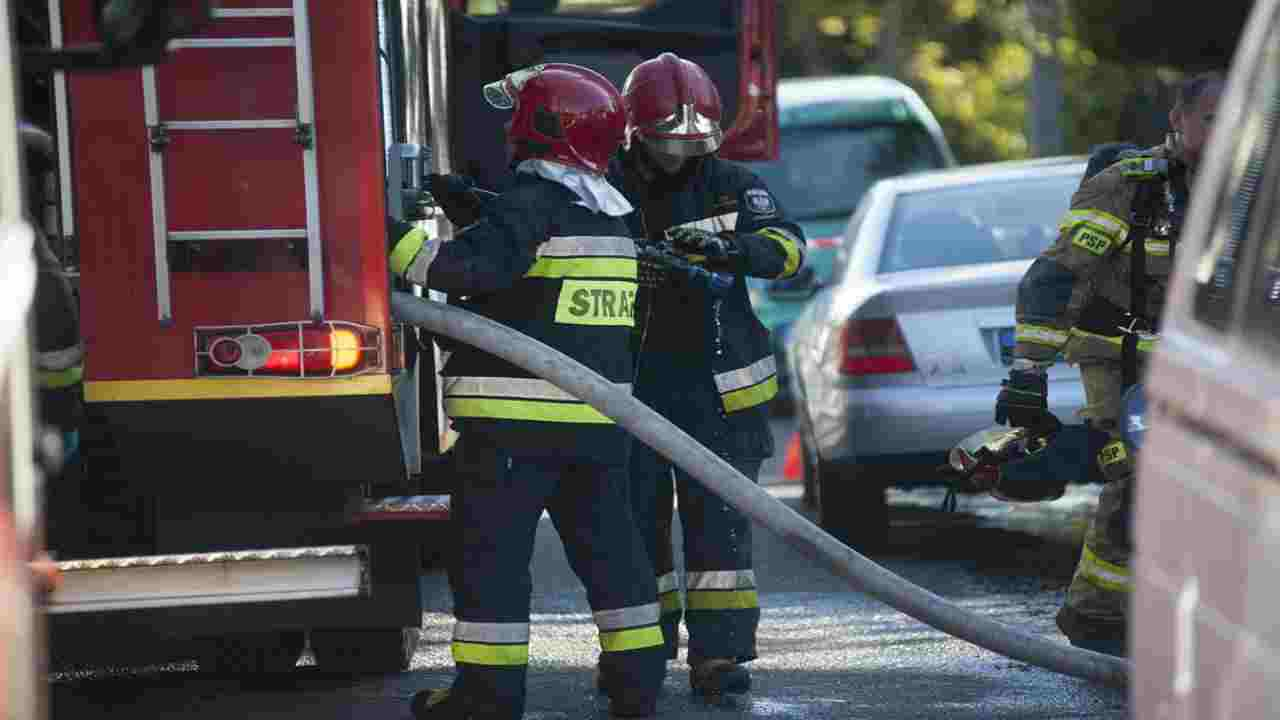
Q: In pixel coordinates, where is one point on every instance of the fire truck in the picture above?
(261, 467)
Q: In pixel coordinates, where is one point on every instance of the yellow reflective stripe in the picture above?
(1040, 335)
(486, 654)
(406, 249)
(529, 410)
(55, 379)
(1104, 222)
(1088, 238)
(723, 600)
(1146, 343)
(750, 397)
(1112, 453)
(1100, 573)
(633, 639)
(237, 388)
(553, 267)
(790, 246)
(670, 601)
(597, 302)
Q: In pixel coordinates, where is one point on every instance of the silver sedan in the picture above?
(902, 355)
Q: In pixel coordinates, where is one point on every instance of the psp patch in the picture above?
(760, 202)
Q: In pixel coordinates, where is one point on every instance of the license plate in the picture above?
(1006, 345)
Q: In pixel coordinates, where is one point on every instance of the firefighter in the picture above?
(551, 257)
(704, 360)
(1095, 297)
(59, 353)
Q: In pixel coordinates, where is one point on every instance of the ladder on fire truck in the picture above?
(163, 131)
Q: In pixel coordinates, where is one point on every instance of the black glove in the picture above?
(694, 241)
(459, 197)
(1023, 400)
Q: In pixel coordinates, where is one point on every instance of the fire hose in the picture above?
(722, 479)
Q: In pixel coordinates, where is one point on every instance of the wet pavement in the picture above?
(826, 651)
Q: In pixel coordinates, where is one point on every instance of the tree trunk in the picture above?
(1046, 135)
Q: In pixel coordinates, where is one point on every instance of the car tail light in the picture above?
(288, 349)
(826, 242)
(874, 347)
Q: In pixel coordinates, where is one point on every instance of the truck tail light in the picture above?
(289, 349)
(874, 347)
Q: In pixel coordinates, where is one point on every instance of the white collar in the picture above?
(594, 191)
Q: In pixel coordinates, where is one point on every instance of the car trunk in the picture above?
(957, 323)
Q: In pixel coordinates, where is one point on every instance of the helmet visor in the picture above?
(504, 94)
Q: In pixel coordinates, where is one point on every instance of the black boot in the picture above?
(717, 675)
(1100, 634)
(624, 701)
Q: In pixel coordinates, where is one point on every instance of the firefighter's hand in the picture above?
(694, 241)
(1023, 399)
(458, 196)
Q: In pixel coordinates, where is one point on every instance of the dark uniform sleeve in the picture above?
(489, 256)
(1059, 283)
(773, 247)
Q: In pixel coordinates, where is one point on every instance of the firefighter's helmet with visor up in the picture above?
(673, 107)
(564, 113)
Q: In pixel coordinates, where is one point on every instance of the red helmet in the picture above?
(566, 113)
(673, 106)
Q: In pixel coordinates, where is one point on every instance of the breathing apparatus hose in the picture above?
(727, 483)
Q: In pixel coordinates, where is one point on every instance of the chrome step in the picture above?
(214, 578)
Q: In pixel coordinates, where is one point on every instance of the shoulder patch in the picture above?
(760, 202)
(1091, 240)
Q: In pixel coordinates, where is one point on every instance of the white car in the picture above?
(903, 354)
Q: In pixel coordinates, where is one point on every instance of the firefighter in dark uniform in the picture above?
(1095, 297)
(59, 356)
(551, 258)
(704, 360)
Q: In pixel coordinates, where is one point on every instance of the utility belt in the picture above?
(1103, 317)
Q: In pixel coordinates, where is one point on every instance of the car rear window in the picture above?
(984, 222)
(823, 171)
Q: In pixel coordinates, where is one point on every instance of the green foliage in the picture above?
(972, 61)
(1160, 32)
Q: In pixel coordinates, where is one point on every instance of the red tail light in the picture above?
(875, 347)
(297, 349)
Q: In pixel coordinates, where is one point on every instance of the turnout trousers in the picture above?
(1101, 585)
(723, 608)
(496, 512)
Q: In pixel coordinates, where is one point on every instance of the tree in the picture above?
(1157, 32)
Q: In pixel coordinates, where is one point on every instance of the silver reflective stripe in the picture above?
(418, 269)
(715, 223)
(500, 387)
(753, 374)
(497, 633)
(60, 359)
(721, 580)
(667, 583)
(627, 617)
(588, 246)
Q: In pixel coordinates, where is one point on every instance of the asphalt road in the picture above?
(826, 651)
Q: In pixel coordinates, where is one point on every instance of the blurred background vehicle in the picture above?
(902, 354)
(838, 135)
(1204, 643)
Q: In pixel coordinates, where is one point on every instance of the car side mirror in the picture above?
(801, 286)
(131, 33)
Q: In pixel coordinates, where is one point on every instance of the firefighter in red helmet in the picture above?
(705, 361)
(551, 258)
